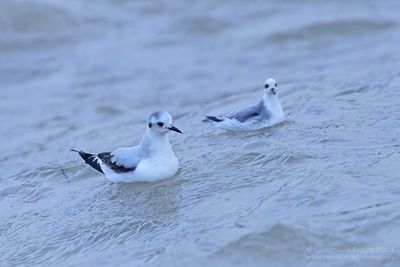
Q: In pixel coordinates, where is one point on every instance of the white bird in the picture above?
(265, 113)
(153, 159)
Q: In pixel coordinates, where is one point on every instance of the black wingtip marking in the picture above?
(213, 118)
(90, 159)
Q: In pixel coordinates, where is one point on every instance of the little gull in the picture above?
(153, 159)
(265, 113)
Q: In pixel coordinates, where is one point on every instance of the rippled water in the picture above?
(78, 75)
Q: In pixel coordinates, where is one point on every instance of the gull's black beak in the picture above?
(273, 91)
(173, 128)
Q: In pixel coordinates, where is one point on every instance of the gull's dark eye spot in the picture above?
(150, 125)
(160, 124)
(266, 86)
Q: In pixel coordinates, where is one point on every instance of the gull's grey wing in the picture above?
(128, 157)
(107, 159)
(255, 112)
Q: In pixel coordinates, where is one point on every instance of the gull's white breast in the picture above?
(157, 168)
(276, 112)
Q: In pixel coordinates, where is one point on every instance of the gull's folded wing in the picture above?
(118, 167)
(127, 157)
(246, 114)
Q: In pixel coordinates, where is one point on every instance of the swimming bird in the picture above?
(153, 159)
(265, 113)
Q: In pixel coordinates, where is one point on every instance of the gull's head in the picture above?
(161, 122)
(270, 86)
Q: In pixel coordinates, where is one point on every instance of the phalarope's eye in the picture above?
(266, 86)
(160, 124)
(276, 85)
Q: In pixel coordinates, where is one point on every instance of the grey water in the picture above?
(321, 189)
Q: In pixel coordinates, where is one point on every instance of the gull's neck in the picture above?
(272, 103)
(154, 142)
(267, 97)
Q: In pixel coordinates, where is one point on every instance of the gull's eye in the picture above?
(266, 86)
(160, 124)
